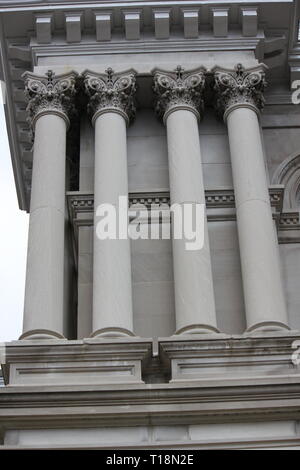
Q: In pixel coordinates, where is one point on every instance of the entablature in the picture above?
(35, 35)
(220, 206)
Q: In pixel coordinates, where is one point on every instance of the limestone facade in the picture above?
(153, 345)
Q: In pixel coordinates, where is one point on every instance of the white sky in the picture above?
(13, 245)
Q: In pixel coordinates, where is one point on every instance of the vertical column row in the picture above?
(179, 102)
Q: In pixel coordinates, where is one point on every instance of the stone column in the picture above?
(179, 104)
(239, 99)
(50, 103)
(111, 107)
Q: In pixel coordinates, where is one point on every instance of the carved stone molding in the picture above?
(190, 361)
(50, 95)
(220, 204)
(239, 87)
(110, 92)
(105, 362)
(178, 90)
(83, 202)
(288, 173)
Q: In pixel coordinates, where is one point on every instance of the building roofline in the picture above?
(29, 5)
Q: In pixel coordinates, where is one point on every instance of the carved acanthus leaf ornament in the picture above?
(50, 94)
(111, 92)
(239, 86)
(178, 90)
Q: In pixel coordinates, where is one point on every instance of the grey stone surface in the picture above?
(159, 435)
(290, 259)
(225, 390)
(79, 362)
(262, 282)
(227, 277)
(234, 435)
(86, 173)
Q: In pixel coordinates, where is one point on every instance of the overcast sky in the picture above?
(13, 245)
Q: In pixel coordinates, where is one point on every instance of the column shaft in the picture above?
(111, 107)
(43, 308)
(263, 290)
(179, 103)
(50, 103)
(112, 290)
(194, 295)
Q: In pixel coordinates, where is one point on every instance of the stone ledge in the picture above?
(227, 359)
(88, 361)
(232, 377)
(89, 410)
(236, 435)
(265, 444)
(80, 202)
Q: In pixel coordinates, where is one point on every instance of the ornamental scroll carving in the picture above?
(239, 86)
(50, 94)
(111, 92)
(175, 90)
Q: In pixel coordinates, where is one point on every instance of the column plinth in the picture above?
(50, 104)
(239, 99)
(111, 108)
(179, 104)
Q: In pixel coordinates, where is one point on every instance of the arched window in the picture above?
(288, 174)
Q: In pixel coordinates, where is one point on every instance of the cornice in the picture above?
(272, 392)
(283, 408)
(146, 46)
(83, 201)
(155, 404)
(80, 202)
(220, 205)
(114, 395)
(289, 220)
(29, 5)
(12, 128)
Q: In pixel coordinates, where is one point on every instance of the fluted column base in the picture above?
(76, 363)
(41, 334)
(267, 326)
(112, 332)
(196, 330)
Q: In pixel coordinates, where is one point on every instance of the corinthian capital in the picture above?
(110, 92)
(50, 95)
(178, 90)
(239, 87)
